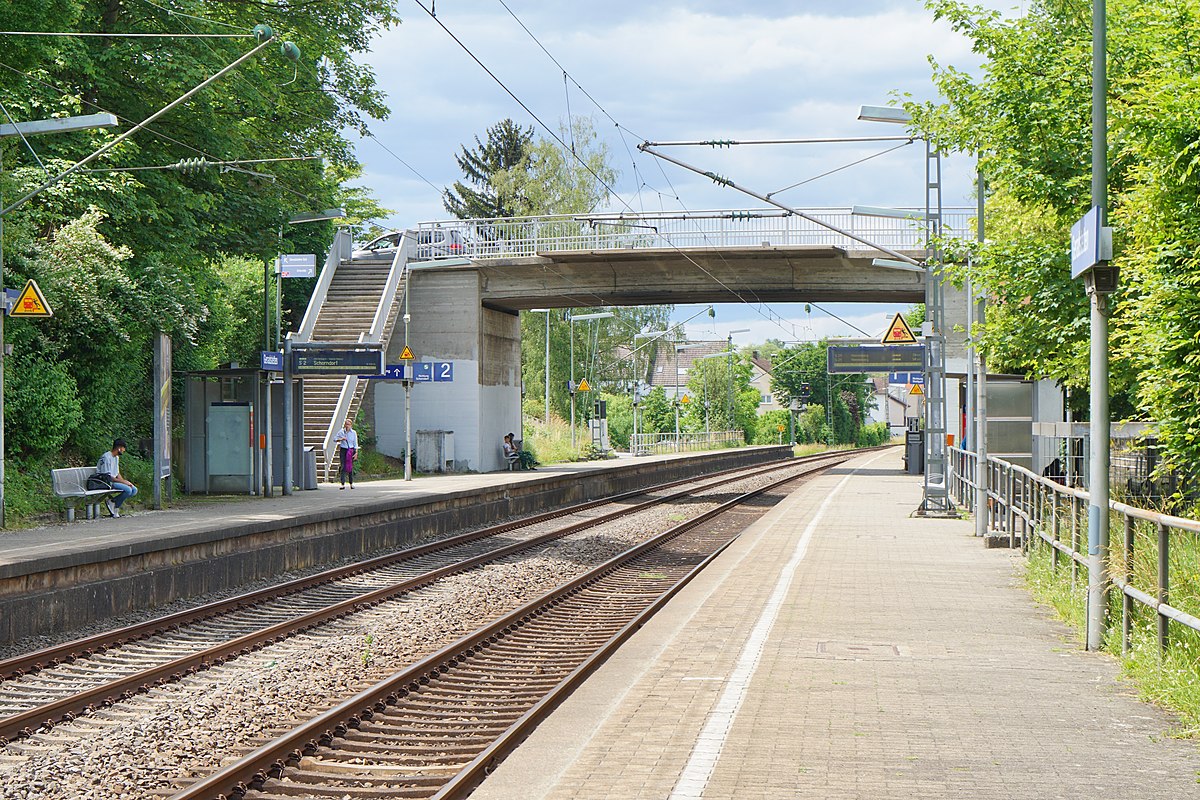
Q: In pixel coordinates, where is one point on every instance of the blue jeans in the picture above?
(126, 493)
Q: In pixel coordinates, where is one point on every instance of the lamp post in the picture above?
(546, 311)
(288, 445)
(571, 318)
(24, 130)
(679, 347)
(729, 366)
(727, 355)
(652, 335)
(936, 497)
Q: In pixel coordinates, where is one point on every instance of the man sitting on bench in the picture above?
(109, 468)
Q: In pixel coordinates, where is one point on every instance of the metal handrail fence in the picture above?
(645, 444)
(508, 237)
(1054, 515)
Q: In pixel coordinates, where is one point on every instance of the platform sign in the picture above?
(271, 360)
(1091, 244)
(876, 358)
(30, 302)
(443, 371)
(423, 372)
(903, 377)
(336, 361)
(917, 378)
(898, 332)
(298, 265)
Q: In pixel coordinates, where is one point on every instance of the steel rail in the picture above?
(235, 780)
(26, 723)
(69, 651)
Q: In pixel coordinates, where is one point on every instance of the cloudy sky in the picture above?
(682, 70)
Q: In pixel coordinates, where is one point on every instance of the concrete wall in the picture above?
(483, 402)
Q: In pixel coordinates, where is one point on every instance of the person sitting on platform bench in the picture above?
(108, 469)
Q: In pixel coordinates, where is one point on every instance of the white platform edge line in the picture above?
(707, 749)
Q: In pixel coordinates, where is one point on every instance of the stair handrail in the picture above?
(339, 251)
(395, 279)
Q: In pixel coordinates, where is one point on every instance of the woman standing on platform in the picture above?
(347, 442)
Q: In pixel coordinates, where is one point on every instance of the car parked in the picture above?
(431, 243)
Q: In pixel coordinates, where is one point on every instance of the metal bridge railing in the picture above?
(1046, 513)
(507, 237)
(646, 444)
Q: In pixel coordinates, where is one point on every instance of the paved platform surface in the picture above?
(841, 649)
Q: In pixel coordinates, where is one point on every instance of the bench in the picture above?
(70, 483)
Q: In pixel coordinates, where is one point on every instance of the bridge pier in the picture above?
(449, 323)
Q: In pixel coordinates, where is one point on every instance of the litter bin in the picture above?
(309, 479)
(914, 452)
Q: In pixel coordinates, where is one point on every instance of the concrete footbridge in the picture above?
(451, 291)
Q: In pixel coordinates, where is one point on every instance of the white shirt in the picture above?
(347, 438)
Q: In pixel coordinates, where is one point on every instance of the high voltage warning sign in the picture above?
(30, 303)
(899, 332)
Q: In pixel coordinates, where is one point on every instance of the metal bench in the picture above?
(70, 483)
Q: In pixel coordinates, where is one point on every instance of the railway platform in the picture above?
(843, 649)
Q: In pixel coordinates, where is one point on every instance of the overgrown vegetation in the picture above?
(1170, 679)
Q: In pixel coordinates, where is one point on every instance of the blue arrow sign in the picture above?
(392, 372)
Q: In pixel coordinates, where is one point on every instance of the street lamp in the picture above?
(936, 496)
(546, 311)
(727, 354)
(571, 318)
(729, 366)
(288, 444)
(679, 347)
(23, 130)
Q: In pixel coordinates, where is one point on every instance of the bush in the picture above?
(873, 435)
(42, 406)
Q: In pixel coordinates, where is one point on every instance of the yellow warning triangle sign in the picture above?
(31, 303)
(916, 389)
(407, 354)
(583, 386)
(899, 332)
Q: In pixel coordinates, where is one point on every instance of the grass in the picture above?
(1170, 679)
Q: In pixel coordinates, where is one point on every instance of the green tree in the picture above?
(1027, 115)
(846, 398)
(507, 147)
(550, 180)
(657, 414)
(148, 262)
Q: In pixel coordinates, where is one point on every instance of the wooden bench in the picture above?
(70, 483)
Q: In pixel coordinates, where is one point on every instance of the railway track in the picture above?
(434, 730)
(60, 683)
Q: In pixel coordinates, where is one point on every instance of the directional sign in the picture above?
(298, 265)
(876, 358)
(908, 378)
(583, 386)
(407, 354)
(392, 372)
(30, 303)
(423, 372)
(899, 332)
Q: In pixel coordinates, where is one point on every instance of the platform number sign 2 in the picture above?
(443, 370)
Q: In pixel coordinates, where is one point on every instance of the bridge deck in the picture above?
(866, 655)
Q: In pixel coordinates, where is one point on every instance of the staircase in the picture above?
(345, 317)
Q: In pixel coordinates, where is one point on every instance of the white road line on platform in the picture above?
(707, 749)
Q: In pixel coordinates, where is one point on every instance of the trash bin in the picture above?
(309, 479)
